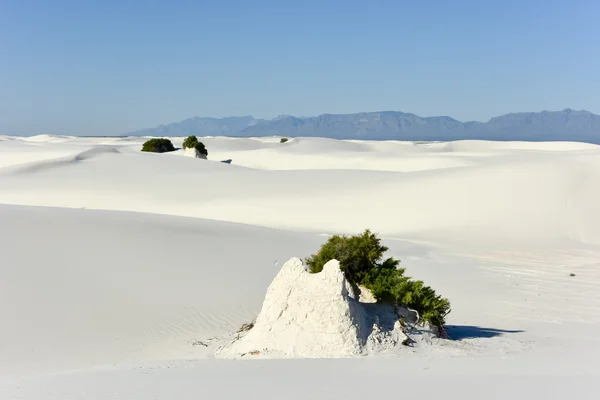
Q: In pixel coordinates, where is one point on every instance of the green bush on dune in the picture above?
(191, 142)
(158, 145)
(361, 261)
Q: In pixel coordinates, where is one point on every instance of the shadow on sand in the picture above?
(460, 332)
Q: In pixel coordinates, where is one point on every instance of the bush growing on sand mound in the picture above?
(283, 140)
(191, 142)
(158, 146)
(361, 262)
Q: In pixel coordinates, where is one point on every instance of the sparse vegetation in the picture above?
(158, 145)
(252, 353)
(201, 148)
(361, 262)
(191, 142)
(283, 140)
(246, 327)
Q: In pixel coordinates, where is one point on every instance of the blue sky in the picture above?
(110, 67)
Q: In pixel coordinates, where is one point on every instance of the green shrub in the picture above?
(191, 142)
(357, 255)
(283, 140)
(157, 145)
(361, 262)
(390, 285)
(201, 148)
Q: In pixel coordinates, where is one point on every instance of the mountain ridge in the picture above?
(564, 125)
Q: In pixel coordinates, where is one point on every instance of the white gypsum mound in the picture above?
(308, 315)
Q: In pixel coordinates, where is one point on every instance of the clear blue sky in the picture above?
(112, 66)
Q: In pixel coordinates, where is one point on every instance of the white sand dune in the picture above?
(45, 138)
(109, 290)
(532, 197)
(77, 294)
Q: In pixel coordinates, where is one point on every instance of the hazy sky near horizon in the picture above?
(109, 67)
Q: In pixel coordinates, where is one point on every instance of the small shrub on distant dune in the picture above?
(283, 140)
(191, 142)
(201, 148)
(361, 261)
(158, 145)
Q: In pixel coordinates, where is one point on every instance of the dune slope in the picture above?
(83, 288)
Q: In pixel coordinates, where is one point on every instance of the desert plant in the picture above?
(390, 285)
(191, 142)
(360, 258)
(201, 148)
(246, 327)
(357, 255)
(283, 140)
(158, 145)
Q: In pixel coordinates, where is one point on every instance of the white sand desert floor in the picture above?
(121, 271)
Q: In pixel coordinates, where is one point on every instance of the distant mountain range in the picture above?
(565, 125)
